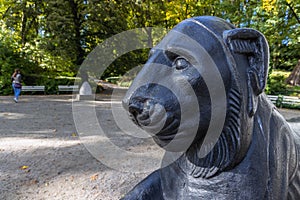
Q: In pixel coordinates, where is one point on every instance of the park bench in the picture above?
(291, 100)
(33, 88)
(68, 88)
(287, 100)
(273, 98)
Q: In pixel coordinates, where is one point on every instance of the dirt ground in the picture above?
(42, 155)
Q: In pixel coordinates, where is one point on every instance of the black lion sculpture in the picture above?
(255, 155)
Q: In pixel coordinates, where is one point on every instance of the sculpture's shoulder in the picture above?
(294, 179)
(294, 186)
(148, 189)
(282, 148)
(284, 151)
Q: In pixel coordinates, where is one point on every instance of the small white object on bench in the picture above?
(33, 88)
(68, 88)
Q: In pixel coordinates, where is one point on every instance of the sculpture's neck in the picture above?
(226, 150)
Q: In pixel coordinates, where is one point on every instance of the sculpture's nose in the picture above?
(139, 110)
(133, 106)
(135, 109)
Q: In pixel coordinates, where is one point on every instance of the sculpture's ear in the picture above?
(254, 45)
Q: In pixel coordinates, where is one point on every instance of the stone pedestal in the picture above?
(85, 92)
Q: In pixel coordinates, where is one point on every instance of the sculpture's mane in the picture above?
(226, 149)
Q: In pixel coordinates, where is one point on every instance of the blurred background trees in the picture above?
(50, 39)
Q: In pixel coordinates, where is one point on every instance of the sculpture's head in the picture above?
(202, 77)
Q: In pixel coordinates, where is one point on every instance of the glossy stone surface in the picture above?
(201, 93)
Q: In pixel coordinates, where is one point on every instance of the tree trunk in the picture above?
(77, 26)
(23, 26)
(294, 77)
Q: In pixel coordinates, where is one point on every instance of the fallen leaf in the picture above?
(32, 182)
(94, 177)
(24, 167)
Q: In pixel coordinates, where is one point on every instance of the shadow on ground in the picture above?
(42, 156)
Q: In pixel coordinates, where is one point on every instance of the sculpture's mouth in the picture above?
(156, 110)
(168, 132)
(153, 118)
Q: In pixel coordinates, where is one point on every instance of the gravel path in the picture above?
(42, 156)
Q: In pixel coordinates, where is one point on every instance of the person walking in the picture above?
(16, 84)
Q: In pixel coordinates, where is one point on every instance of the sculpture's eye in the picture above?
(181, 63)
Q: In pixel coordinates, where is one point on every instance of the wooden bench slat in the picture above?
(292, 100)
(273, 98)
(285, 99)
(33, 88)
(68, 88)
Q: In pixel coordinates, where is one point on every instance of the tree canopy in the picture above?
(52, 38)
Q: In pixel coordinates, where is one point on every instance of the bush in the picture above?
(276, 85)
(50, 83)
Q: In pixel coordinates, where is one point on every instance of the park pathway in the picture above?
(42, 157)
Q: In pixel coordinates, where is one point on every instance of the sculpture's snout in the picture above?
(155, 109)
(135, 109)
(139, 110)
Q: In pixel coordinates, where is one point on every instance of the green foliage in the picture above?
(51, 85)
(52, 38)
(9, 60)
(276, 85)
(280, 103)
(290, 106)
(126, 62)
